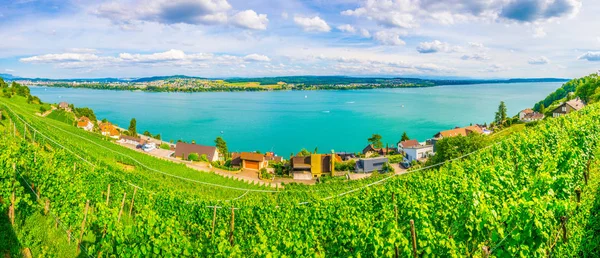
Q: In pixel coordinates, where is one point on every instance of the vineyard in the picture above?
(530, 195)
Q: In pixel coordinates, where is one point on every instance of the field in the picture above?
(62, 116)
(507, 198)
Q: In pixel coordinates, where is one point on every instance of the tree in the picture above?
(132, 127)
(316, 150)
(304, 153)
(454, 147)
(375, 140)
(146, 133)
(404, 137)
(501, 114)
(157, 137)
(542, 108)
(104, 120)
(222, 146)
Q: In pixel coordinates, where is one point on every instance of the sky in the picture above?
(255, 38)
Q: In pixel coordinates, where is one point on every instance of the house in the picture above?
(85, 123)
(528, 115)
(370, 165)
(568, 107)
(270, 156)
(130, 140)
(418, 152)
(406, 144)
(107, 129)
(316, 165)
(462, 131)
(64, 106)
(183, 150)
(249, 160)
(345, 156)
(370, 150)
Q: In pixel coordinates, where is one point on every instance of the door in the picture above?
(251, 164)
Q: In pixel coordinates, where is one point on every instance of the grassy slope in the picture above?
(62, 116)
(93, 147)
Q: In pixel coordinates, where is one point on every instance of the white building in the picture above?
(418, 152)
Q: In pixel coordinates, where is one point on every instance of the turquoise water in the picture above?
(287, 121)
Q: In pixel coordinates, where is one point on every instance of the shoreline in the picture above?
(265, 89)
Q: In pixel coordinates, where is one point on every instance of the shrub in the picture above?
(264, 174)
(165, 146)
(203, 158)
(194, 157)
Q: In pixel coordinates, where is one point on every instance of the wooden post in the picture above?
(563, 221)
(47, 207)
(11, 209)
(578, 194)
(214, 221)
(132, 199)
(69, 236)
(122, 204)
(486, 251)
(55, 222)
(87, 206)
(232, 225)
(74, 167)
(107, 194)
(414, 238)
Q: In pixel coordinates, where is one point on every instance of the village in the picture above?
(305, 166)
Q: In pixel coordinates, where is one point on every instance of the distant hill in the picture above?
(307, 80)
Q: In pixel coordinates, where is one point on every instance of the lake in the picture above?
(287, 121)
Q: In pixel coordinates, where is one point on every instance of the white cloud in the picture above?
(346, 28)
(410, 14)
(166, 11)
(542, 60)
(173, 57)
(476, 45)
(495, 68)
(284, 15)
(9, 70)
(590, 56)
(476, 56)
(389, 38)
(539, 32)
(433, 47)
(365, 33)
(249, 19)
(312, 24)
(257, 58)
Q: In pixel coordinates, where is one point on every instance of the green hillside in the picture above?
(587, 88)
(63, 116)
(508, 197)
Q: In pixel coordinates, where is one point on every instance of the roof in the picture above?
(183, 148)
(300, 162)
(576, 103)
(63, 104)
(420, 147)
(409, 143)
(252, 156)
(382, 151)
(534, 115)
(235, 159)
(527, 111)
(460, 131)
(83, 121)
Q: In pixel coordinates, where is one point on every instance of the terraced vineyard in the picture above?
(508, 199)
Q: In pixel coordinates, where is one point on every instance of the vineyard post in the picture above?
(132, 200)
(87, 206)
(578, 194)
(47, 207)
(69, 235)
(214, 221)
(486, 251)
(122, 204)
(74, 167)
(107, 194)
(11, 210)
(414, 238)
(563, 220)
(232, 224)
(396, 255)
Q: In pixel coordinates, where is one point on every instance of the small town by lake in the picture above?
(287, 121)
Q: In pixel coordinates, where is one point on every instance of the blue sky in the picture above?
(233, 38)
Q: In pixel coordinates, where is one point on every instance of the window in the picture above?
(564, 109)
